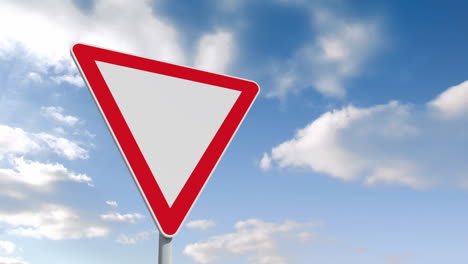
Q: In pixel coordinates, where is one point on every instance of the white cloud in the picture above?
(201, 224)
(7, 247)
(320, 147)
(59, 130)
(16, 141)
(51, 221)
(118, 217)
(72, 78)
(5, 260)
(338, 52)
(81, 178)
(56, 113)
(63, 147)
(13, 194)
(453, 102)
(40, 175)
(317, 145)
(305, 236)
(215, 52)
(136, 238)
(34, 76)
(255, 239)
(265, 162)
(269, 259)
(401, 174)
(112, 203)
(35, 31)
(392, 144)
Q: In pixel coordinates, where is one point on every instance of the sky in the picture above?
(355, 151)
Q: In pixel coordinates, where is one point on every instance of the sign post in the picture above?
(165, 249)
(171, 124)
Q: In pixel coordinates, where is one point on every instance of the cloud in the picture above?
(319, 146)
(13, 194)
(39, 175)
(201, 224)
(34, 77)
(265, 162)
(63, 147)
(215, 52)
(34, 31)
(112, 203)
(56, 113)
(136, 238)
(7, 247)
(124, 218)
(453, 102)
(5, 260)
(71, 78)
(255, 239)
(50, 221)
(338, 52)
(403, 173)
(16, 141)
(393, 144)
(305, 236)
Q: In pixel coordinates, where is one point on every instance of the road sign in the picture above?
(171, 123)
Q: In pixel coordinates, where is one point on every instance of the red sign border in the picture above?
(168, 219)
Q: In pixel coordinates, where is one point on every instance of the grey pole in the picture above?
(165, 249)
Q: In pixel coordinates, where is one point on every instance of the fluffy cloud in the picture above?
(5, 260)
(201, 224)
(7, 247)
(265, 162)
(453, 102)
(35, 32)
(317, 146)
(392, 143)
(40, 175)
(136, 238)
(50, 221)
(320, 147)
(16, 141)
(338, 52)
(215, 51)
(34, 77)
(112, 203)
(70, 78)
(118, 217)
(255, 239)
(63, 147)
(56, 113)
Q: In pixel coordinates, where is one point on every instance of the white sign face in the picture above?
(171, 123)
(173, 120)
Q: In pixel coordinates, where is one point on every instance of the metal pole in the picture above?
(165, 250)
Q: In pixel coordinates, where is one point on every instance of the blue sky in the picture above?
(354, 152)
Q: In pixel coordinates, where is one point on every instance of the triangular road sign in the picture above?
(171, 123)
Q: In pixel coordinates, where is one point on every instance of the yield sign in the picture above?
(171, 123)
